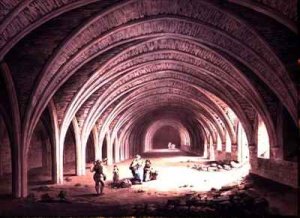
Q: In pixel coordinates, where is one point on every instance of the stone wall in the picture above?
(189, 149)
(5, 156)
(69, 148)
(281, 171)
(165, 135)
(35, 153)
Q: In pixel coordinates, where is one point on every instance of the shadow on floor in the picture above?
(166, 153)
(6, 196)
(69, 174)
(47, 182)
(87, 195)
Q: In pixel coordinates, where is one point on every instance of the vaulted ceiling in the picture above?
(119, 66)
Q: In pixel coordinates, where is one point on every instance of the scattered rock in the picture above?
(220, 167)
(261, 203)
(235, 164)
(77, 185)
(252, 192)
(227, 193)
(226, 167)
(217, 166)
(140, 191)
(226, 188)
(173, 202)
(229, 201)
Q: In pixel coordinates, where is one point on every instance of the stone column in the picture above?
(211, 152)
(222, 154)
(205, 152)
(215, 151)
(117, 152)
(253, 156)
(234, 152)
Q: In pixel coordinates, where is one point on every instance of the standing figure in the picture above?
(116, 175)
(147, 169)
(99, 177)
(136, 168)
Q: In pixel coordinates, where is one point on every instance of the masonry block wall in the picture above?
(5, 156)
(281, 171)
(5, 152)
(35, 153)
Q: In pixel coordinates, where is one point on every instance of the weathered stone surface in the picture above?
(112, 68)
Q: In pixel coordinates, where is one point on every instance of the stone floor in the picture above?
(177, 179)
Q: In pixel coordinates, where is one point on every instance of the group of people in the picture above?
(141, 173)
(171, 145)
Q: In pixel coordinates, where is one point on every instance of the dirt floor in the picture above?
(176, 178)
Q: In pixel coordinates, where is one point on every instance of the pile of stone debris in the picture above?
(234, 201)
(214, 166)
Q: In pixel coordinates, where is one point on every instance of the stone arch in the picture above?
(90, 149)
(207, 5)
(11, 37)
(69, 152)
(263, 142)
(156, 125)
(39, 160)
(19, 168)
(104, 148)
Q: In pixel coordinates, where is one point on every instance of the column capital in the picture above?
(276, 153)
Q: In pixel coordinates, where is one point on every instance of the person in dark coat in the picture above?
(99, 177)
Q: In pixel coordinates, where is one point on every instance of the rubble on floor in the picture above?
(214, 166)
(238, 200)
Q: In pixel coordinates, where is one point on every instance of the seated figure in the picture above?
(153, 174)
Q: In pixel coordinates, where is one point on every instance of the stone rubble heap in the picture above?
(217, 166)
(234, 201)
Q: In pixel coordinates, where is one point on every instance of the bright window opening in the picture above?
(263, 145)
(219, 143)
(243, 150)
(228, 143)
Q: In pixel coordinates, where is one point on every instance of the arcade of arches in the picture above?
(82, 80)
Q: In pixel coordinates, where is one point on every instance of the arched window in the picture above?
(228, 142)
(219, 143)
(263, 145)
(243, 150)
